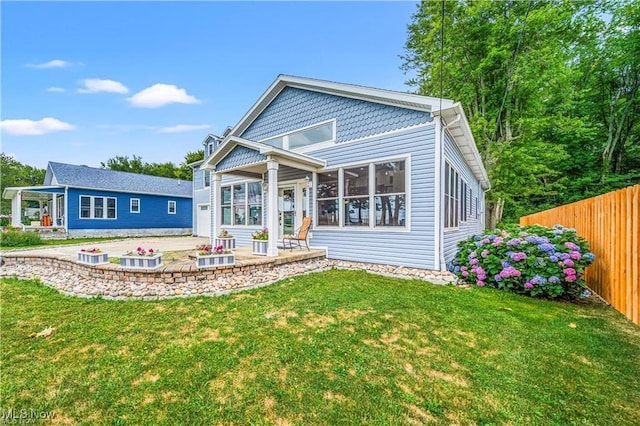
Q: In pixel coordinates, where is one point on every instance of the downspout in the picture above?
(438, 232)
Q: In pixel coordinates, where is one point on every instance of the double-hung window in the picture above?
(463, 200)
(241, 204)
(92, 207)
(451, 197)
(171, 207)
(134, 205)
(207, 178)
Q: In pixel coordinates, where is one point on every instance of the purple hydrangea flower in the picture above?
(484, 253)
(547, 247)
(568, 262)
(497, 277)
(553, 259)
(528, 285)
(514, 242)
(575, 255)
(571, 246)
(553, 279)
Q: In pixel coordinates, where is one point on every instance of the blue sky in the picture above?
(83, 82)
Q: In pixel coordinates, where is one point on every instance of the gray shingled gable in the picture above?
(111, 180)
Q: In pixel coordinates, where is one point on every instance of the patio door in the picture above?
(292, 207)
(286, 210)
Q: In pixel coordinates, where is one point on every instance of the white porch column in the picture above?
(16, 209)
(215, 209)
(54, 210)
(272, 212)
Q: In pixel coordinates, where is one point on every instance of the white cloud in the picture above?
(161, 94)
(56, 63)
(26, 127)
(183, 128)
(56, 90)
(96, 85)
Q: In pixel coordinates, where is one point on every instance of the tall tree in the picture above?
(14, 173)
(506, 62)
(168, 169)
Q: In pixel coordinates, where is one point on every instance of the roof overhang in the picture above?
(370, 94)
(35, 192)
(455, 121)
(284, 157)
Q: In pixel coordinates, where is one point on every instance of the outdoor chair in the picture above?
(301, 235)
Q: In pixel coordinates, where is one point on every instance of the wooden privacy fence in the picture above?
(610, 223)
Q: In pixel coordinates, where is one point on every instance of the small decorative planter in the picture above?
(226, 243)
(215, 260)
(260, 247)
(141, 262)
(89, 258)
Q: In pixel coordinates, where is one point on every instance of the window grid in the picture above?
(171, 207)
(380, 185)
(92, 207)
(239, 199)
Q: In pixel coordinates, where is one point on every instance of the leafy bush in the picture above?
(12, 237)
(531, 260)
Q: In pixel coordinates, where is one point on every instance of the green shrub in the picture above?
(11, 237)
(4, 221)
(531, 260)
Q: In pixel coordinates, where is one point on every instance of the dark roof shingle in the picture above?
(111, 180)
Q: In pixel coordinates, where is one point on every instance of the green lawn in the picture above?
(338, 347)
(50, 243)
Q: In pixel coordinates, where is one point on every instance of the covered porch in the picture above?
(278, 191)
(38, 208)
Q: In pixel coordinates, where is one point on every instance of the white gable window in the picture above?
(97, 207)
(171, 207)
(134, 205)
(302, 138)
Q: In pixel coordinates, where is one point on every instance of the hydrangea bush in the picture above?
(531, 260)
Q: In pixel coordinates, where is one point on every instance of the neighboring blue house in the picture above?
(87, 201)
(387, 177)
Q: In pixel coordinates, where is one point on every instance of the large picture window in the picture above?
(92, 207)
(380, 186)
(241, 204)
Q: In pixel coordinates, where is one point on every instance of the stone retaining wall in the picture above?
(112, 282)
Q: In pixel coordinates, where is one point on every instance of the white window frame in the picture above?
(372, 194)
(464, 190)
(302, 149)
(247, 205)
(453, 197)
(105, 209)
(175, 207)
(131, 210)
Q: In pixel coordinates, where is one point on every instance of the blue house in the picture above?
(87, 201)
(387, 177)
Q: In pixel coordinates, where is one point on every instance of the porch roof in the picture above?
(244, 157)
(35, 192)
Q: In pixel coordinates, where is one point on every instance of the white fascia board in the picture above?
(267, 150)
(380, 96)
(10, 191)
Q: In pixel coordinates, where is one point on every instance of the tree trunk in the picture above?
(494, 214)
